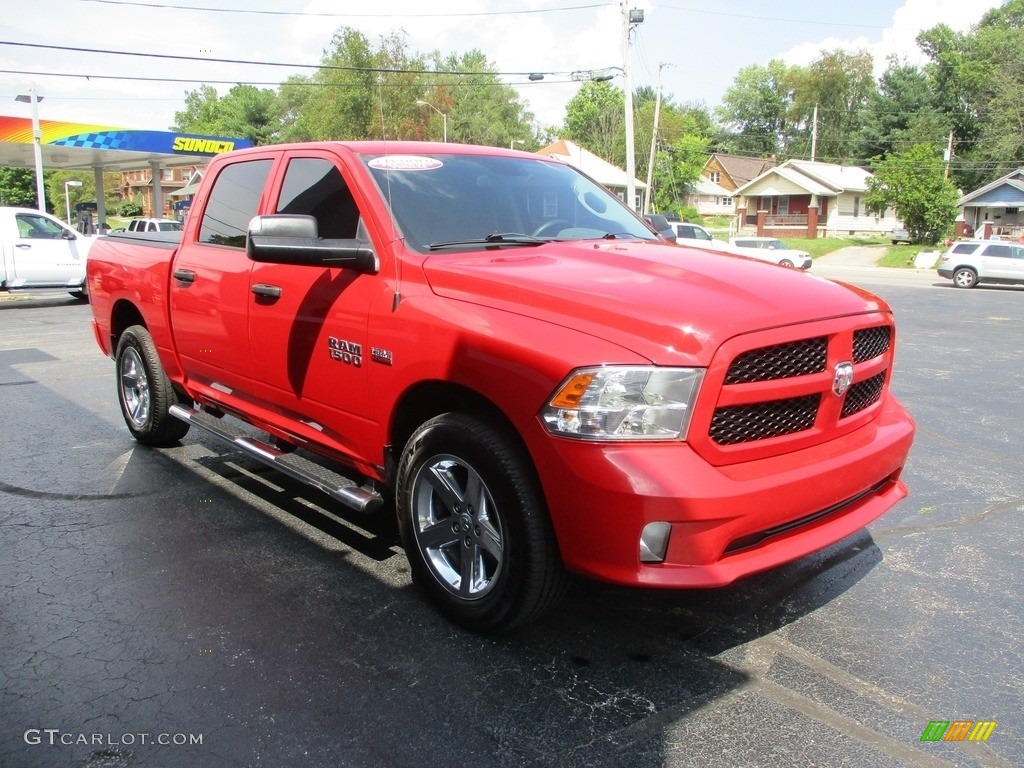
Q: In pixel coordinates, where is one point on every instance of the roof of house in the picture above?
(600, 170)
(709, 188)
(742, 169)
(1006, 190)
(814, 178)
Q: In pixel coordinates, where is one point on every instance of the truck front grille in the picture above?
(871, 342)
(743, 423)
(779, 361)
(863, 394)
(785, 390)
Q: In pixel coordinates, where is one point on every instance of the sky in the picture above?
(693, 49)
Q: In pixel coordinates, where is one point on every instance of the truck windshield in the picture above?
(449, 201)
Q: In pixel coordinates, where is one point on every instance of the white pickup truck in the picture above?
(40, 251)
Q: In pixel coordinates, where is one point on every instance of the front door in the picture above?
(45, 253)
(308, 324)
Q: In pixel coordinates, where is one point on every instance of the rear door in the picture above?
(45, 253)
(997, 261)
(209, 287)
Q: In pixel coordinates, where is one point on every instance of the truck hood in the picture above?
(672, 305)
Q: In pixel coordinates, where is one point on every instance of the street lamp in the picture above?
(444, 117)
(67, 197)
(37, 139)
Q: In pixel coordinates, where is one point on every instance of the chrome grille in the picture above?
(759, 421)
(870, 342)
(862, 394)
(780, 361)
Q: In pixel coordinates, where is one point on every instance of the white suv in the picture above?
(969, 262)
(770, 249)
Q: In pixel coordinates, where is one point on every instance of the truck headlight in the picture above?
(624, 403)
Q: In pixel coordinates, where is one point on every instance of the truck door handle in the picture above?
(184, 275)
(270, 291)
(24, 246)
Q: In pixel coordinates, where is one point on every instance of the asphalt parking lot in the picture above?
(187, 607)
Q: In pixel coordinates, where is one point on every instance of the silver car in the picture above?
(969, 262)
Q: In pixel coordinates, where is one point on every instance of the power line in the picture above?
(253, 11)
(209, 60)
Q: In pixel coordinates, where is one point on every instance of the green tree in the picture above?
(595, 119)
(840, 84)
(756, 109)
(245, 111)
(18, 187)
(913, 183)
(901, 113)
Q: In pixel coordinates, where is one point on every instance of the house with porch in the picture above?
(994, 210)
(809, 199)
(721, 176)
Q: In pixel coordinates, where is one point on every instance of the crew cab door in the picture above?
(45, 253)
(209, 286)
(308, 323)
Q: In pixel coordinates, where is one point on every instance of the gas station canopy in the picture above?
(80, 146)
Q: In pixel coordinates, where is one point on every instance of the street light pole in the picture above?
(67, 197)
(444, 117)
(37, 140)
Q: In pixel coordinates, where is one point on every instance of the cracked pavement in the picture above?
(190, 591)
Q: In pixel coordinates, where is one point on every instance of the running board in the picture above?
(337, 486)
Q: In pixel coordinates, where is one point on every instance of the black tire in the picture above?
(787, 263)
(475, 526)
(965, 277)
(144, 391)
(81, 295)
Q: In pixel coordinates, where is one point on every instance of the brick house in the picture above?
(140, 182)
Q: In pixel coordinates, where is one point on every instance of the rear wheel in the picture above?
(965, 277)
(144, 391)
(474, 524)
(787, 263)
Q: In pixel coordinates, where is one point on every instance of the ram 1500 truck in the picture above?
(40, 251)
(491, 346)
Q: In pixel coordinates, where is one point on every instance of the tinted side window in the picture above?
(964, 248)
(314, 187)
(998, 250)
(234, 200)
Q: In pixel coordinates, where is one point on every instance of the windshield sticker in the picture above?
(405, 163)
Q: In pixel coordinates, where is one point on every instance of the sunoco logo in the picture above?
(201, 146)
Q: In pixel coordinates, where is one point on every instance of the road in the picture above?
(191, 595)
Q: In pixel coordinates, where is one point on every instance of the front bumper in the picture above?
(726, 522)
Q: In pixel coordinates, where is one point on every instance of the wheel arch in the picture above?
(427, 399)
(123, 315)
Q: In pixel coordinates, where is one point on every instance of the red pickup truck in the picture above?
(493, 347)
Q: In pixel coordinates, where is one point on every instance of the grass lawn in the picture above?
(904, 255)
(822, 245)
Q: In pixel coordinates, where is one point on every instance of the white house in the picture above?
(801, 196)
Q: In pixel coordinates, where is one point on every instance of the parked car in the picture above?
(898, 236)
(154, 225)
(696, 236)
(770, 249)
(40, 251)
(969, 262)
(661, 225)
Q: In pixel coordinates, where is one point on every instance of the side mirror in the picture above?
(69, 235)
(284, 238)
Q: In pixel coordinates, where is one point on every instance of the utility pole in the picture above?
(654, 143)
(949, 153)
(814, 133)
(628, 19)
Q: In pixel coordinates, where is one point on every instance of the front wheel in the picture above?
(965, 277)
(475, 526)
(787, 263)
(144, 391)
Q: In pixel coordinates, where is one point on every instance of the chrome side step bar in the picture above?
(335, 485)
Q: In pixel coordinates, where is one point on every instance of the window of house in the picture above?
(725, 201)
(715, 177)
(783, 205)
(1012, 210)
(167, 174)
(856, 207)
